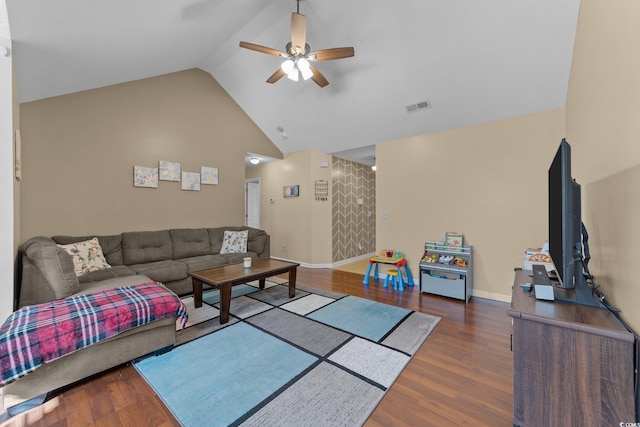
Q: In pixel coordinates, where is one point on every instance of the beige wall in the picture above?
(301, 224)
(603, 128)
(79, 151)
(321, 212)
(487, 181)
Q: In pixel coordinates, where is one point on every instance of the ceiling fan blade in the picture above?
(317, 77)
(335, 53)
(298, 33)
(262, 49)
(276, 76)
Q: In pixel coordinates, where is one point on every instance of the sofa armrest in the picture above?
(47, 272)
(267, 248)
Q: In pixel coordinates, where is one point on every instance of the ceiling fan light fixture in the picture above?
(306, 74)
(305, 68)
(294, 75)
(287, 66)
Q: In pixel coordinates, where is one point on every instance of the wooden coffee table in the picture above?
(226, 276)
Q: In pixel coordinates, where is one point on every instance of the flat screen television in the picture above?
(565, 228)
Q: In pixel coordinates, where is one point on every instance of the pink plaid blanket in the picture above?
(41, 333)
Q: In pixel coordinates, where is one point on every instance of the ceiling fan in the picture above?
(298, 54)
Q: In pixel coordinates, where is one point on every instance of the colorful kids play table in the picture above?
(395, 258)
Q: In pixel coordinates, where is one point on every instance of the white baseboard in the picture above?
(327, 265)
(302, 264)
(350, 260)
(491, 296)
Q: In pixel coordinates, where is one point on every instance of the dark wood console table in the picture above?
(573, 365)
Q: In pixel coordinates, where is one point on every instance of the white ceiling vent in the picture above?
(422, 105)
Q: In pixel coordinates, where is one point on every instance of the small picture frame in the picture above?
(169, 171)
(208, 175)
(291, 191)
(145, 177)
(190, 181)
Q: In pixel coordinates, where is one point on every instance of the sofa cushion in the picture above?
(257, 240)
(234, 242)
(190, 242)
(109, 273)
(215, 238)
(87, 256)
(162, 271)
(139, 247)
(203, 262)
(116, 282)
(111, 245)
(55, 264)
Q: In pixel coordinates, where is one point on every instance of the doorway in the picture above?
(252, 202)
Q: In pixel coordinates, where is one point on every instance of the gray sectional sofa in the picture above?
(166, 256)
(46, 272)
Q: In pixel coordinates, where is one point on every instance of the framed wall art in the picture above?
(322, 190)
(169, 171)
(208, 175)
(191, 181)
(291, 191)
(145, 177)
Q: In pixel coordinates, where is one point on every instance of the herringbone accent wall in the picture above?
(354, 225)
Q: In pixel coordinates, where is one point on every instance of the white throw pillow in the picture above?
(234, 242)
(87, 256)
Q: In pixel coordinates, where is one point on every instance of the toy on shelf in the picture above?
(445, 259)
(434, 258)
(430, 258)
(459, 262)
(389, 254)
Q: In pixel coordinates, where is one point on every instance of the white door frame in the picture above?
(246, 197)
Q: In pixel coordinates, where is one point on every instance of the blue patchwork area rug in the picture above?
(213, 296)
(321, 359)
(369, 319)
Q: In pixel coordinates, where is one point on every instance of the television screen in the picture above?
(561, 216)
(565, 228)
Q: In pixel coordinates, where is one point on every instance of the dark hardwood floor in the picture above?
(462, 374)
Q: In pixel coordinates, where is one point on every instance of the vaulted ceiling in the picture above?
(472, 61)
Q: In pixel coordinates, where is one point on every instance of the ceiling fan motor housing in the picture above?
(292, 52)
